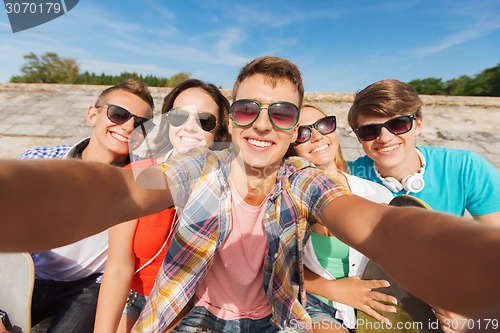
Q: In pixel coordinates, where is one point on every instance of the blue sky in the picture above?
(340, 46)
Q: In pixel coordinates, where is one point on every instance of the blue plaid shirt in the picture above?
(46, 152)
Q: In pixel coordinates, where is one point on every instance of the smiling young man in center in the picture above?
(235, 252)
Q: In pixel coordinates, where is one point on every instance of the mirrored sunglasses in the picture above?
(283, 115)
(324, 126)
(398, 125)
(177, 117)
(119, 115)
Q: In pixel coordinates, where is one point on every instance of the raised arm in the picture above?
(444, 260)
(49, 203)
(491, 219)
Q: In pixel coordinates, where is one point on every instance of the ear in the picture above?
(230, 128)
(419, 126)
(91, 115)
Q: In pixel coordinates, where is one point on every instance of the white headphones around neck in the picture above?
(412, 183)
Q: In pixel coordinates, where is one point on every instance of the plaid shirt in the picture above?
(63, 151)
(46, 152)
(203, 199)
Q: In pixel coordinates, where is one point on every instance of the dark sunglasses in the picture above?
(398, 125)
(118, 115)
(206, 120)
(283, 115)
(324, 126)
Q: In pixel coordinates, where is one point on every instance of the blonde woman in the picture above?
(334, 299)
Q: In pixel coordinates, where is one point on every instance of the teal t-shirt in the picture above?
(455, 180)
(333, 255)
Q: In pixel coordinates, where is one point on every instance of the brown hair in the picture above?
(275, 69)
(138, 88)
(386, 98)
(340, 162)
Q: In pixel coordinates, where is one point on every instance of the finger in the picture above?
(446, 329)
(369, 311)
(440, 317)
(441, 311)
(381, 297)
(374, 284)
(382, 307)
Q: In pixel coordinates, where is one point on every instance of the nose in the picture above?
(129, 125)
(263, 123)
(191, 125)
(385, 135)
(315, 135)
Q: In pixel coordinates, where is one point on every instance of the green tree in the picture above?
(429, 86)
(177, 78)
(463, 86)
(48, 68)
(487, 83)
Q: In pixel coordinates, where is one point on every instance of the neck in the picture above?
(412, 164)
(253, 184)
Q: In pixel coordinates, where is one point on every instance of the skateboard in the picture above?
(413, 315)
(17, 278)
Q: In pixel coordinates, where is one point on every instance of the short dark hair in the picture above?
(275, 69)
(138, 88)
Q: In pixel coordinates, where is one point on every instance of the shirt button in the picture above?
(275, 256)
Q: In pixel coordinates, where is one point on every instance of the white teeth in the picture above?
(388, 149)
(119, 137)
(320, 148)
(189, 140)
(259, 143)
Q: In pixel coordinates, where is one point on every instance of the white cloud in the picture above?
(467, 24)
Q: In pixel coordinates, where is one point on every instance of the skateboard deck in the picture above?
(413, 315)
(17, 276)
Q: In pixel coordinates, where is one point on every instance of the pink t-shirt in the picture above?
(238, 292)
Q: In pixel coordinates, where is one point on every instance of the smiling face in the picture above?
(320, 149)
(261, 144)
(190, 135)
(394, 155)
(110, 142)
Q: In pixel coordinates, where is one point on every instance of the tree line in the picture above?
(486, 83)
(51, 68)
